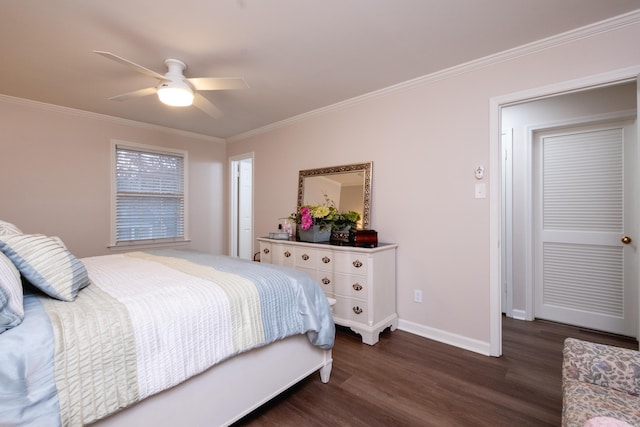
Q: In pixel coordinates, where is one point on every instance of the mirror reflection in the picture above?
(347, 186)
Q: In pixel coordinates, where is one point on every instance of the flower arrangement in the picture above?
(309, 215)
(346, 220)
(326, 216)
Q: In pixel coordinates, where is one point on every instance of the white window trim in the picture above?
(113, 244)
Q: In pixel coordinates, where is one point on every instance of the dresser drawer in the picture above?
(326, 260)
(350, 309)
(282, 255)
(305, 257)
(351, 263)
(351, 286)
(265, 252)
(327, 281)
(324, 278)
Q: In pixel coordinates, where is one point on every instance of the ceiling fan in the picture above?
(174, 88)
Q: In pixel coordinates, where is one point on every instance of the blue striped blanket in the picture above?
(148, 321)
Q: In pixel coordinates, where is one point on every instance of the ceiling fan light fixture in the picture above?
(176, 90)
(175, 94)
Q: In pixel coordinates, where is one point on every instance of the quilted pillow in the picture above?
(606, 422)
(46, 264)
(11, 308)
(6, 228)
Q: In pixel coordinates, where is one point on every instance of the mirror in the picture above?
(348, 186)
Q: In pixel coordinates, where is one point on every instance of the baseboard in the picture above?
(519, 314)
(445, 337)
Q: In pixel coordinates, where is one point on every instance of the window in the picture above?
(149, 195)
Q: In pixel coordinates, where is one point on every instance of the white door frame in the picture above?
(233, 201)
(495, 178)
(507, 216)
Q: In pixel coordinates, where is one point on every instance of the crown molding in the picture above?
(106, 118)
(588, 31)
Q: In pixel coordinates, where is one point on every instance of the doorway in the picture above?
(522, 307)
(241, 189)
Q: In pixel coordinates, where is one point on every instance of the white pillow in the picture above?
(11, 308)
(6, 228)
(46, 264)
(59, 241)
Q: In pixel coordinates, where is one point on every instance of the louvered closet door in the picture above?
(583, 204)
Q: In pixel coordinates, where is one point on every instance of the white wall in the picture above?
(425, 140)
(55, 173)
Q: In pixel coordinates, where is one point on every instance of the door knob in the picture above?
(626, 240)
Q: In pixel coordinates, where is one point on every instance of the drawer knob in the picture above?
(357, 286)
(326, 280)
(326, 259)
(305, 257)
(287, 254)
(357, 310)
(266, 250)
(357, 263)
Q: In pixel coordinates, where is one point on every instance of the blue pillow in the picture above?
(46, 264)
(11, 308)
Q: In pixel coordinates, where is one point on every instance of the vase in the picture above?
(314, 234)
(289, 226)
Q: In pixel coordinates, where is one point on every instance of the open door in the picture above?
(586, 266)
(241, 224)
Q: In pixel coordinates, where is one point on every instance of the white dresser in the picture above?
(361, 280)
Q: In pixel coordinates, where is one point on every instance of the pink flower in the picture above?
(306, 220)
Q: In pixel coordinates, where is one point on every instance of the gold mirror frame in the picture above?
(364, 168)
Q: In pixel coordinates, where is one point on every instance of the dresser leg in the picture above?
(372, 336)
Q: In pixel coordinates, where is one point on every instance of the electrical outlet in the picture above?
(417, 295)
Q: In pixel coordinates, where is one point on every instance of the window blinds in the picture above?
(149, 195)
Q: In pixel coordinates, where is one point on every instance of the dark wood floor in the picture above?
(406, 380)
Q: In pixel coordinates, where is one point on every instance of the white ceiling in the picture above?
(296, 55)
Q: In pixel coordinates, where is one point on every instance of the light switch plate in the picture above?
(481, 191)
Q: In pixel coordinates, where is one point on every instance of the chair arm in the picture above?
(603, 365)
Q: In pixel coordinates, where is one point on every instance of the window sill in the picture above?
(151, 245)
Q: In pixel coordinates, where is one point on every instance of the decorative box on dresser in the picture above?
(361, 280)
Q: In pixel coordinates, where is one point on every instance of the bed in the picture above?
(163, 337)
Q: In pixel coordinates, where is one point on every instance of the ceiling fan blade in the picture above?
(218, 83)
(205, 105)
(134, 94)
(133, 65)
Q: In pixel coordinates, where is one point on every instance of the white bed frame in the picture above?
(230, 390)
